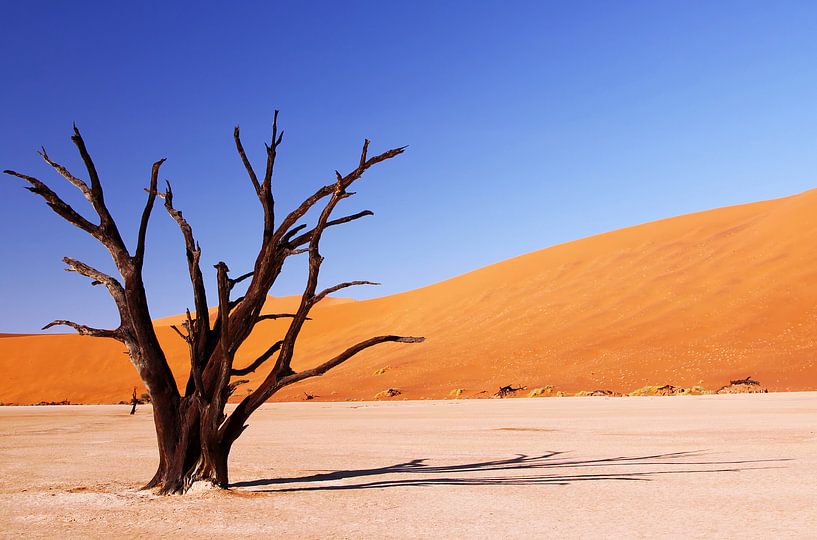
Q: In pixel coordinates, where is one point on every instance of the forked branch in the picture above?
(306, 237)
(343, 183)
(79, 184)
(63, 209)
(111, 237)
(263, 189)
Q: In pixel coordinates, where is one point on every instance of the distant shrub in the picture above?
(670, 390)
(598, 393)
(541, 391)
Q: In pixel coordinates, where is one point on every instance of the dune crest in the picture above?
(693, 300)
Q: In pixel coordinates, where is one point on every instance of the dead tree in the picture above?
(134, 401)
(747, 380)
(505, 391)
(193, 431)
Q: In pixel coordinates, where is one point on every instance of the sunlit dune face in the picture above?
(693, 300)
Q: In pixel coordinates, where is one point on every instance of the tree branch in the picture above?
(343, 182)
(273, 316)
(271, 256)
(136, 329)
(106, 232)
(193, 350)
(224, 303)
(63, 209)
(185, 337)
(234, 303)
(258, 361)
(193, 254)
(307, 298)
(307, 236)
(87, 330)
(245, 161)
(344, 356)
(292, 232)
(239, 279)
(235, 423)
(97, 198)
(139, 257)
(263, 189)
(231, 388)
(321, 295)
(112, 284)
(224, 365)
(82, 186)
(266, 186)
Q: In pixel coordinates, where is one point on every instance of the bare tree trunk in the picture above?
(193, 451)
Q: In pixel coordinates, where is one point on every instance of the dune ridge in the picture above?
(692, 300)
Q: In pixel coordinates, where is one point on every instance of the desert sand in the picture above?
(698, 466)
(697, 299)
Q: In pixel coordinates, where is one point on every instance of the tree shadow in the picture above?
(416, 473)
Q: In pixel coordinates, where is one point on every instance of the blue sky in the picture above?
(529, 124)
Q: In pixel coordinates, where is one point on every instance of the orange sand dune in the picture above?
(700, 298)
(274, 304)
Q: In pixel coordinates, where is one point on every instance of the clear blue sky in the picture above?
(529, 124)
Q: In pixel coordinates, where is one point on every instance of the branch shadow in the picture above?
(417, 473)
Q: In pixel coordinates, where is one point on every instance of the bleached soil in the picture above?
(731, 466)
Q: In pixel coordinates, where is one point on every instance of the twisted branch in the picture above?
(87, 330)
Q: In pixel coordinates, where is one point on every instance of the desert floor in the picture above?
(735, 465)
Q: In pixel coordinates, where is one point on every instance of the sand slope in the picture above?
(700, 298)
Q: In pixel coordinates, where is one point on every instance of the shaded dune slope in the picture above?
(696, 299)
